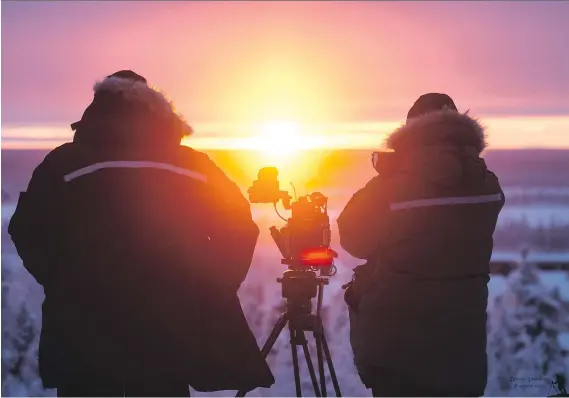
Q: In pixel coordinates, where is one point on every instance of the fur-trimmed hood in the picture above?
(442, 147)
(128, 111)
(445, 127)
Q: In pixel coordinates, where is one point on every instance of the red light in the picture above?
(319, 257)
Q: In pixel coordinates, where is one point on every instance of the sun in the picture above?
(286, 145)
(279, 138)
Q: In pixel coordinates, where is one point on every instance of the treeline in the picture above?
(513, 234)
(534, 198)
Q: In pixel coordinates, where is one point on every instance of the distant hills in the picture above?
(530, 167)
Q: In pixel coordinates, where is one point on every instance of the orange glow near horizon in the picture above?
(296, 148)
(283, 137)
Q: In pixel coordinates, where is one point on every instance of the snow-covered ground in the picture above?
(262, 302)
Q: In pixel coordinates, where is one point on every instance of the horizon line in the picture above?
(532, 132)
(327, 149)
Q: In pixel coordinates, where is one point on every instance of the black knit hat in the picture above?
(128, 74)
(431, 102)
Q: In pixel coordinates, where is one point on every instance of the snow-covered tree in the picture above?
(525, 354)
(20, 375)
(20, 335)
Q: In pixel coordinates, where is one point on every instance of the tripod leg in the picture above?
(318, 333)
(321, 372)
(293, 339)
(330, 365)
(277, 329)
(309, 364)
(268, 346)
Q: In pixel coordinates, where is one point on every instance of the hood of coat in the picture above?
(129, 112)
(444, 147)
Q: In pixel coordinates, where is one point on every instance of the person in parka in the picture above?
(140, 244)
(425, 226)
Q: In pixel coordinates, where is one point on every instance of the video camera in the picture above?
(304, 241)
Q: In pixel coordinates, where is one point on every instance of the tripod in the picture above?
(299, 287)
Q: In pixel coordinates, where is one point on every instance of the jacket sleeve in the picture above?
(233, 233)
(33, 227)
(360, 223)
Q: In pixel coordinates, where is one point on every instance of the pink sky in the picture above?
(313, 62)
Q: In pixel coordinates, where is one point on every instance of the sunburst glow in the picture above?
(280, 139)
(280, 143)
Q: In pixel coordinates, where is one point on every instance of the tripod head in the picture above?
(299, 288)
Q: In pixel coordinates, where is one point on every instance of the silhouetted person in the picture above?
(140, 245)
(425, 226)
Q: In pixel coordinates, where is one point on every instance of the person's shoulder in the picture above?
(200, 162)
(54, 165)
(375, 184)
(192, 155)
(60, 150)
(196, 160)
(492, 178)
(58, 157)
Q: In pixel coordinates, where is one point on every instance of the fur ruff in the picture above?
(137, 92)
(445, 127)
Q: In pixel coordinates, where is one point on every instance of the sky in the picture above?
(344, 73)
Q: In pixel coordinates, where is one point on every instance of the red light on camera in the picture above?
(319, 257)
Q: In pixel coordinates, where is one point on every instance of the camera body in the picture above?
(304, 241)
(265, 188)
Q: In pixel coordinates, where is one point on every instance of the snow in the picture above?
(559, 279)
(7, 210)
(525, 351)
(262, 303)
(496, 286)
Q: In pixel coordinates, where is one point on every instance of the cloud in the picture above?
(328, 60)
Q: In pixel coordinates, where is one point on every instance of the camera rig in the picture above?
(304, 243)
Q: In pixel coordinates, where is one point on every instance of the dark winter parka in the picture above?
(141, 245)
(425, 225)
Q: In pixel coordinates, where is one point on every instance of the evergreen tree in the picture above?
(20, 334)
(6, 317)
(524, 350)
